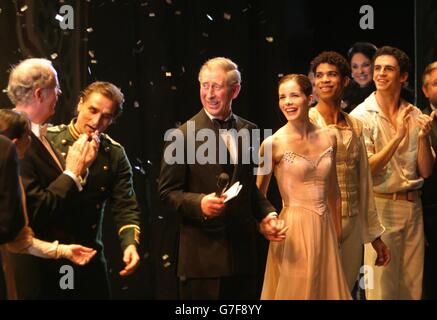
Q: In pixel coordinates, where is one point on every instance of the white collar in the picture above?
(39, 130)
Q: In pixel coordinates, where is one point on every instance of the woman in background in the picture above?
(360, 57)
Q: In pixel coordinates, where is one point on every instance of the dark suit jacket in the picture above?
(51, 197)
(11, 215)
(221, 246)
(49, 193)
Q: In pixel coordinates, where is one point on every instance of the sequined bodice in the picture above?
(303, 180)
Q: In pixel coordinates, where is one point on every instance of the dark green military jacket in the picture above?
(109, 181)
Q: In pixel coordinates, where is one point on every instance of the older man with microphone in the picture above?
(217, 252)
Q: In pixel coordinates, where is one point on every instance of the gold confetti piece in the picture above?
(94, 61)
(54, 56)
(5, 90)
(152, 14)
(90, 29)
(165, 257)
(178, 12)
(209, 17)
(174, 88)
(280, 75)
(269, 39)
(168, 74)
(136, 104)
(91, 53)
(227, 16)
(24, 8)
(167, 264)
(169, 1)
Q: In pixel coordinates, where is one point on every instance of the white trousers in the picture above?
(404, 235)
(351, 249)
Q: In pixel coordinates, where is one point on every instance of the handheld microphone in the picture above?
(222, 183)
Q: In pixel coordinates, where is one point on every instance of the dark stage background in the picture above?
(153, 51)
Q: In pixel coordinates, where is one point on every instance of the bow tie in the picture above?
(225, 124)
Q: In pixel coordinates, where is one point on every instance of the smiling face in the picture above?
(387, 75)
(216, 94)
(293, 103)
(362, 71)
(328, 82)
(95, 113)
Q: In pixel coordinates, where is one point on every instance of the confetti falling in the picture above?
(178, 13)
(269, 39)
(93, 61)
(91, 53)
(152, 15)
(209, 17)
(136, 104)
(54, 56)
(24, 8)
(227, 16)
(168, 74)
(59, 17)
(90, 29)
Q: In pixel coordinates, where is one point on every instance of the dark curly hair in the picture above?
(334, 58)
(398, 54)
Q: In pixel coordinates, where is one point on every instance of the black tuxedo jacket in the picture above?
(225, 245)
(48, 193)
(11, 215)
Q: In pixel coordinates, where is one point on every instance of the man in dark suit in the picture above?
(217, 252)
(429, 199)
(53, 187)
(11, 216)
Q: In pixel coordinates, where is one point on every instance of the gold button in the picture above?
(63, 141)
(98, 206)
(103, 189)
(106, 168)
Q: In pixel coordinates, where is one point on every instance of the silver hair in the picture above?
(231, 68)
(29, 75)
